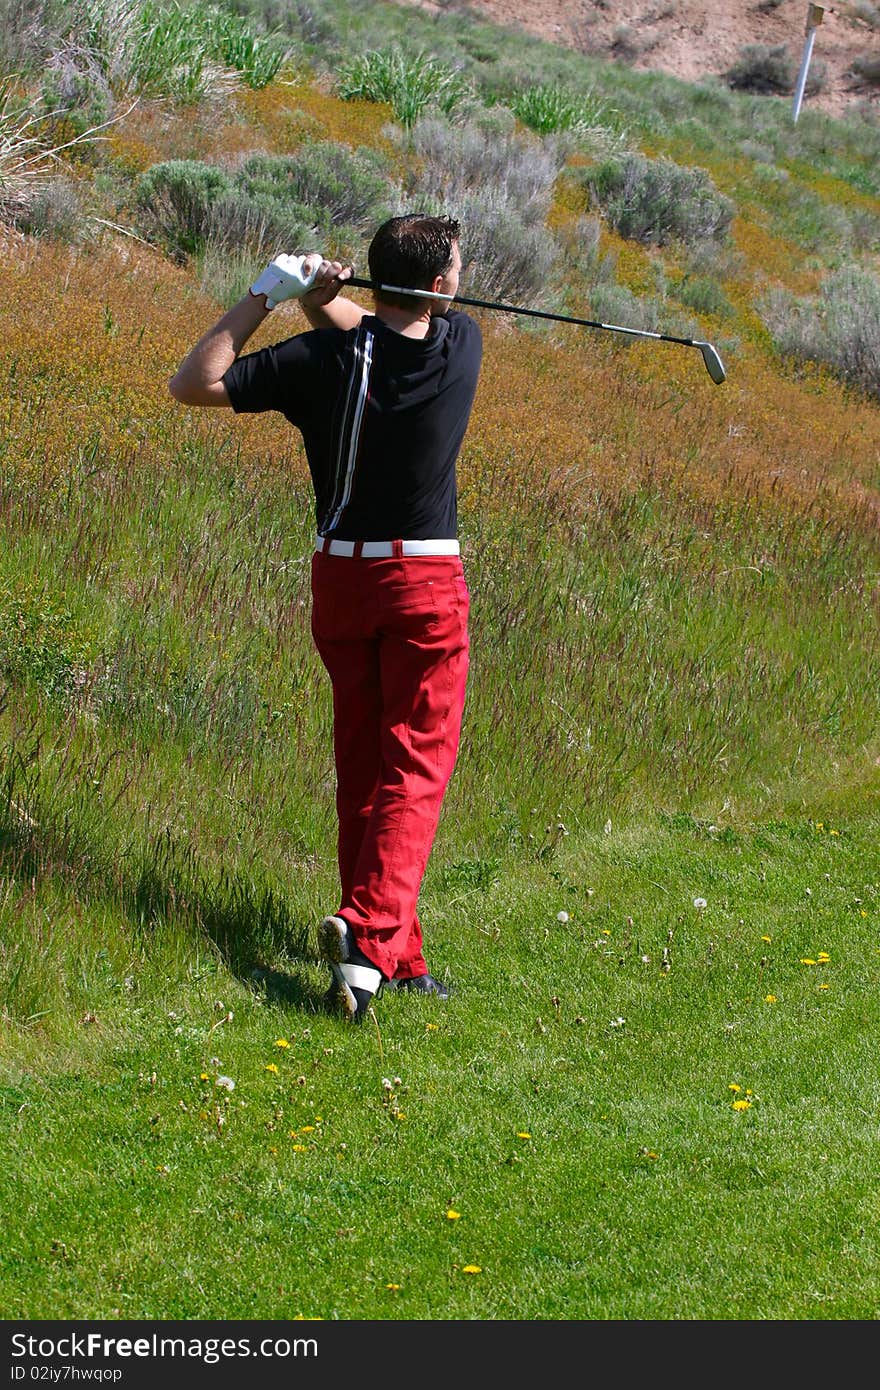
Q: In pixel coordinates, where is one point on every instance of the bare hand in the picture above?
(330, 276)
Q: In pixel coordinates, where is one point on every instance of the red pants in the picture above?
(393, 635)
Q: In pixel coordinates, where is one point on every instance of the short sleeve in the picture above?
(280, 377)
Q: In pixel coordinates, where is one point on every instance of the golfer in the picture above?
(382, 401)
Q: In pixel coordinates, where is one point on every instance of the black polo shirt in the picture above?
(382, 418)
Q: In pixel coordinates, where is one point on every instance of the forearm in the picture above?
(199, 378)
(339, 313)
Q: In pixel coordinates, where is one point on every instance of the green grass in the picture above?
(640, 1192)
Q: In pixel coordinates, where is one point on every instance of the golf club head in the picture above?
(714, 365)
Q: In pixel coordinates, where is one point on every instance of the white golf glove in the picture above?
(285, 278)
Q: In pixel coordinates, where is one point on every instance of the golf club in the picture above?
(714, 365)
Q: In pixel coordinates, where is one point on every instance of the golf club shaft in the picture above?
(716, 370)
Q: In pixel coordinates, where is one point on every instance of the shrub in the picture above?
(410, 84)
(762, 68)
(704, 295)
(256, 228)
(867, 12)
(511, 259)
(656, 201)
(549, 108)
(867, 68)
(174, 201)
(271, 203)
(626, 45)
(840, 327)
(337, 184)
(55, 210)
(452, 162)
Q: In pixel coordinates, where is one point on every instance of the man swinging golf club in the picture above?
(382, 400)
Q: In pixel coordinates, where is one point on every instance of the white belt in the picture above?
(375, 550)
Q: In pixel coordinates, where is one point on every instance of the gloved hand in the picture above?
(287, 277)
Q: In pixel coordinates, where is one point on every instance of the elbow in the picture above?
(177, 389)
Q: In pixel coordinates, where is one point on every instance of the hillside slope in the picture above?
(692, 39)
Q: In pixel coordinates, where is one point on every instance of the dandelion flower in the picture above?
(562, 916)
(767, 939)
(270, 1066)
(307, 1129)
(806, 960)
(733, 1087)
(226, 1082)
(769, 998)
(452, 1215)
(394, 1288)
(523, 1134)
(203, 1076)
(742, 1105)
(431, 1027)
(834, 832)
(700, 903)
(299, 1148)
(823, 958)
(281, 1042)
(824, 986)
(471, 1269)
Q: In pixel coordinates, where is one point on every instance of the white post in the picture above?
(814, 19)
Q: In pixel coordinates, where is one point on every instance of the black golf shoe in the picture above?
(420, 984)
(356, 980)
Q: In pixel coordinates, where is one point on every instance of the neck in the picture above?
(410, 323)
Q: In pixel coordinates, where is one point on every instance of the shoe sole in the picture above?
(333, 940)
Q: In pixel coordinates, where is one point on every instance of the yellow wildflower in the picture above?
(742, 1105)
(281, 1042)
(522, 1134)
(805, 960)
(733, 1087)
(766, 938)
(453, 1215)
(471, 1269)
(769, 998)
(270, 1066)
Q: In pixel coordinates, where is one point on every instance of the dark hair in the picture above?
(411, 250)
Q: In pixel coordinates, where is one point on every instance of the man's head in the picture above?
(416, 251)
